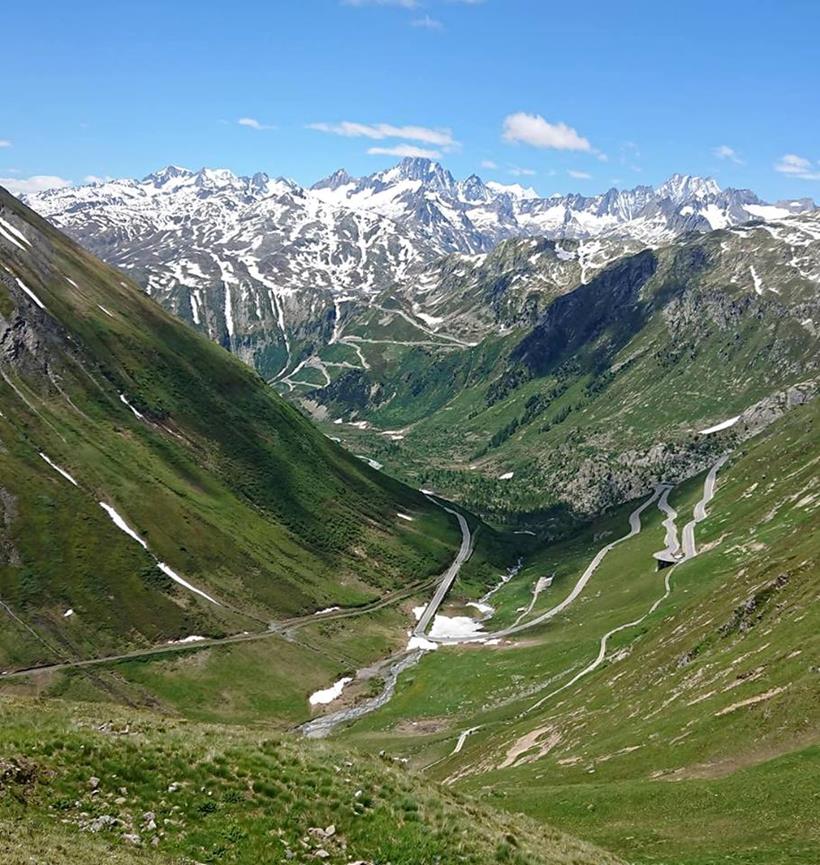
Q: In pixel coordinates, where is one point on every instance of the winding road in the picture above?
(689, 552)
(432, 607)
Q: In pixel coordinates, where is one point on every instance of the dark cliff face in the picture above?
(602, 315)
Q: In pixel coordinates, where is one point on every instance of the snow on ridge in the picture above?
(123, 526)
(57, 468)
(30, 293)
(124, 401)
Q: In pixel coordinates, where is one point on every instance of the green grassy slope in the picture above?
(696, 740)
(610, 386)
(171, 791)
(224, 481)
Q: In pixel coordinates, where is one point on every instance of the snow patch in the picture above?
(123, 526)
(124, 401)
(720, 426)
(405, 517)
(178, 579)
(455, 627)
(328, 695)
(506, 476)
(9, 232)
(120, 523)
(421, 643)
(326, 610)
(57, 468)
(30, 293)
(374, 464)
(486, 610)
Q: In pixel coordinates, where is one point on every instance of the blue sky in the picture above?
(558, 95)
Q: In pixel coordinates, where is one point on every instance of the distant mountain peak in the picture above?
(685, 187)
(170, 172)
(340, 177)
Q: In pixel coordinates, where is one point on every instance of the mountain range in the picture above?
(534, 520)
(268, 268)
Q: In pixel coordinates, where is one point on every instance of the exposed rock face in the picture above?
(268, 268)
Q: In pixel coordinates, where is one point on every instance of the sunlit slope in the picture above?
(127, 786)
(607, 386)
(256, 513)
(696, 736)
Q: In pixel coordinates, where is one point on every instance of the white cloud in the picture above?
(252, 123)
(378, 131)
(726, 152)
(427, 23)
(489, 164)
(30, 185)
(404, 150)
(579, 175)
(798, 166)
(4, 142)
(522, 172)
(534, 130)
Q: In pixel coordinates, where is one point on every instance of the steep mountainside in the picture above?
(271, 270)
(153, 488)
(670, 714)
(579, 395)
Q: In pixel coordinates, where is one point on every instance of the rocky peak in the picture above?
(169, 173)
(473, 189)
(686, 187)
(340, 177)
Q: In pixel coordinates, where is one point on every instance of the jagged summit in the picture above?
(685, 187)
(340, 177)
(204, 241)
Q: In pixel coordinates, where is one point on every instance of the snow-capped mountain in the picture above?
(265, 266)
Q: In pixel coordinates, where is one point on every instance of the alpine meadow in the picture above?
(457, 505)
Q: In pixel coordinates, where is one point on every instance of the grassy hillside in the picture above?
(696, 740)
(218, 477)
(77, 785)
(606, 388)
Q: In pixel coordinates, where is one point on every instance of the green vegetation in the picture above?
(603, 390)
(223, 480)
(176, 791)
(696, 740)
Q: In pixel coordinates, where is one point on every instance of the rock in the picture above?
(330, 831)
(132, 838)
(321, 853)
(93, 782)
(104, 821)
(120, 800)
